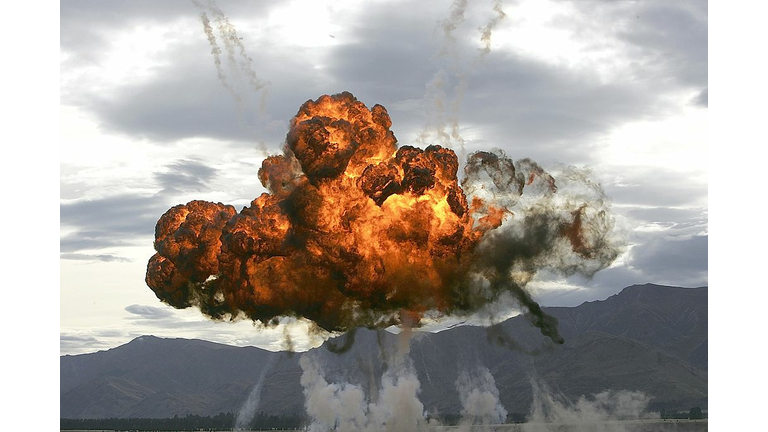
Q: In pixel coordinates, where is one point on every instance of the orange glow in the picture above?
(353, 232)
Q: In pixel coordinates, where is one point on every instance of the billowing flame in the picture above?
(358, 232)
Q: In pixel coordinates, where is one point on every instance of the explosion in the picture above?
(358, 232)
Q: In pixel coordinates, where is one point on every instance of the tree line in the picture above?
(221, 421)
(694, 413)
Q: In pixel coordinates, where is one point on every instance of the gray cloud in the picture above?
(166, 109)
(668, 41)
(94, 257)
(78, 344)
(69, 190)
(675, 254)
(688, 217)
(523, 105)
(529, 108)
(673, 261)
(163, 107)
(552, 115)
(92, 340)
(92, 239)
(66, 338)
(390, 56)
(673, 35)
(86, 26)
(124, 214)
(111, 221)
(149, 312)
(702, 99)
(186, 175)
(658, 188)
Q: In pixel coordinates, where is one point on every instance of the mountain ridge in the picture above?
(649, 337)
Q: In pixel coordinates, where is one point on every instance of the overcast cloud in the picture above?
(620, 87)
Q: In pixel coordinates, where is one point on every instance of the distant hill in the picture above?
(648, 337)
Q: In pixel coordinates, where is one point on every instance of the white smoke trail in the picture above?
(603, 412)
(438, 121)
(345, 406)
(233, 41)
(239, 64)
(485, 32)
(216, 52)
(480, 404)
(248, 410)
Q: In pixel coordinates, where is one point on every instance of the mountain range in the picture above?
(647, 338)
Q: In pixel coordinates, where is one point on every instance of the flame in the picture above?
(355, 231)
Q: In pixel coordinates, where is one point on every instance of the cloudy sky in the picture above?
(155, 111)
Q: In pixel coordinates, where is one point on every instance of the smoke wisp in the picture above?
(607, 411)
(480, 404)
(442, 123)
(248, 410)
(343, 406)
(238, 77)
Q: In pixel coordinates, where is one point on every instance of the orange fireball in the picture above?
(358, 232)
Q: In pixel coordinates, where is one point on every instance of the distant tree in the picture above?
(695, 413)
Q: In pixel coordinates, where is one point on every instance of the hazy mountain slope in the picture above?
(672, 319)
(648, 338)
(186, 376)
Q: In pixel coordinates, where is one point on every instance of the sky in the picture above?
(152, 113)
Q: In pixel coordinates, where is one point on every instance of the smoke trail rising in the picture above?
(436, 121)
(248, 411)
(239, 66)
(486, 31)
(480, 404)
(344, 406)
(232, 42)
(216, 52)
(445, 123)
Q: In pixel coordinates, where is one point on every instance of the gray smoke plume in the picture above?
(248, 410)
(602, 412)
(564, 227)
(344, 406)
(480, 404)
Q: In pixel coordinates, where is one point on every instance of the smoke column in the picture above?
(480, 404)
(600, 413)
(345, 406)
(248, 411)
